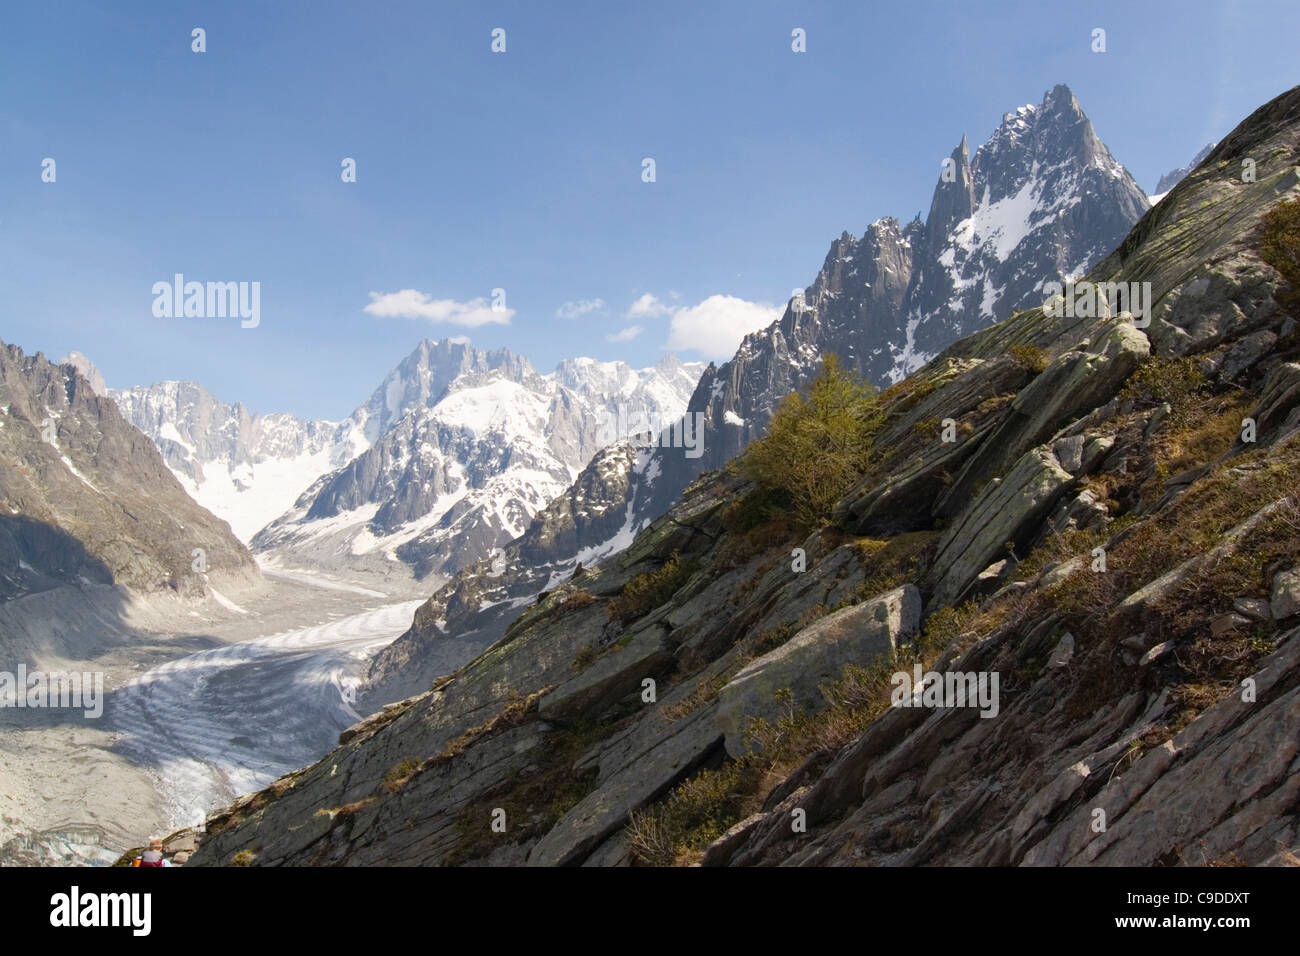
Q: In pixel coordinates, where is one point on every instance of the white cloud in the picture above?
(715, 327)
(647, 307)
(413, 304)
(626, 334)
(571, 310)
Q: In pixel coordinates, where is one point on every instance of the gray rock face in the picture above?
(956, 390)
(1281, 396)
(86, 499)
(86, 368)
(612, 677)
(1003, 512)
(452, 456)
(1077, 381)
(1049, 201)
(632, 770)
(472, 610)
(815, 656)
(966, 267)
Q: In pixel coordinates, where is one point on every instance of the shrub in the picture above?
(894, 562)
(677, 829)
(1279, 246)
(947, 624)
(694, 814)
(753, 509)
(578, 599)
(927, 428)
(1177, 381)
(647, 591)
(1030, 356)
(755, 523)
(817, 445)
(585, 657)
(993, 404)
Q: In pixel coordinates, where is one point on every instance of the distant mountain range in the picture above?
(451, 456)
(247, 469)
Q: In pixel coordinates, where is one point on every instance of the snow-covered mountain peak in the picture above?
(423, 378)
(469, 446)
(244, 468)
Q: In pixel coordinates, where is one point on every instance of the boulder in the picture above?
(815, 656)
(1286, 594)
(1082, 511)
(1246, 352)
(1069, 451)
(656, 758)
(1255, 608)
(1227, 624)
(1059, 572)
(1063, 652)
(1157, 652)
(1281, 394)
(1001, 512)
(1095, 450)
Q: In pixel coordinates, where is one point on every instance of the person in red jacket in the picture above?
(153, 856)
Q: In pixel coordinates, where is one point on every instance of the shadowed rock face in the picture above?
(87, 499)
(1121, 689)
(1041, 199)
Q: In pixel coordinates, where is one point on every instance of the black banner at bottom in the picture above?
(341, 906)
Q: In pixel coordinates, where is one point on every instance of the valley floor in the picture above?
(199, 708)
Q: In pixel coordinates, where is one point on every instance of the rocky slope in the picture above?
(1041, 200)
(1104, 543)
(86, 500)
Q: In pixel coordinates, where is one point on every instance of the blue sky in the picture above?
(522, 171)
